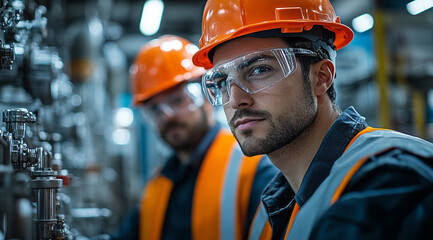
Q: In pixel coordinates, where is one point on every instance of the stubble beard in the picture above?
(286, 129)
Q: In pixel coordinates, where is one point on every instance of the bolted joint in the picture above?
(16, 120)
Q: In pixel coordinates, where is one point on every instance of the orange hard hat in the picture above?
(161, 64)
(224, 20)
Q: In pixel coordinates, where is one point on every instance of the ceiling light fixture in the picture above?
(151, 17)
(419, 6)
(363, 23)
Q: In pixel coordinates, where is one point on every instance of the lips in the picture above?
(246, 123)
(172, 127)
(246, 118)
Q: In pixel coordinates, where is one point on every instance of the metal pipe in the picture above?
(45, 185)
(46, 209)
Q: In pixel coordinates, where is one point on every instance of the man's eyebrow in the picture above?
(245, 64)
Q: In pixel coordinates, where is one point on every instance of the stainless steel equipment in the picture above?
(37, 164)
(55, 86)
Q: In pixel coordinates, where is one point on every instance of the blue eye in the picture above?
(260, 70)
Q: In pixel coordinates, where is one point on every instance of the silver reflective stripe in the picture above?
(259, 223)
(367, 144)
(228, 200)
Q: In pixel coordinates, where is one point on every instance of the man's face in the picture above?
(180, 122)
(268, 120)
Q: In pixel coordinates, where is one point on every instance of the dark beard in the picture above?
(283, 131)
(195, 134)
(179, 145)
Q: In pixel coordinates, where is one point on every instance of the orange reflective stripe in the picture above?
(366, 130)
(246, 179)
(346, 179)
(267, 232)
(207, 193)
(354, 169)
(153, 207)
(292, 219)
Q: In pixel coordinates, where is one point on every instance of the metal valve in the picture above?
(16, 120)
(7, 56)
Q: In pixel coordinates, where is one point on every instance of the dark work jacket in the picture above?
(383, 200)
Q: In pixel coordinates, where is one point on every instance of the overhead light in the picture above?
(123, 117)
(419, 6)
(363, 23)
(151, 17)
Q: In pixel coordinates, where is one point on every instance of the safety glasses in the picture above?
(252, 72)
(181, 100)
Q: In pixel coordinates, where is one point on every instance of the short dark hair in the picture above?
(307, 61)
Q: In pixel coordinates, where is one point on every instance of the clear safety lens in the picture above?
(253, 72)
(180, 101)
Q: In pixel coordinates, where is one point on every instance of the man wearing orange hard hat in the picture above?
(207, 189)
(271, 66)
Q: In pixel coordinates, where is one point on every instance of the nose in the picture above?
(238, 97)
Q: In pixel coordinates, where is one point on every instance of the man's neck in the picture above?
(184, 155)
(294, 159)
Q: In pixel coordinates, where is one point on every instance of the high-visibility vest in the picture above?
(364, 145)
(221, 194)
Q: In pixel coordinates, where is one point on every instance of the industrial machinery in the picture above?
(50, 123)
(31, 77)
(31, 168)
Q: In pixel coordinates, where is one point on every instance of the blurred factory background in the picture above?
(67, 113)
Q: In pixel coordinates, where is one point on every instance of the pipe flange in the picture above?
(40, 183)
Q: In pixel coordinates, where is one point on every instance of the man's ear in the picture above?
(325, 72)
